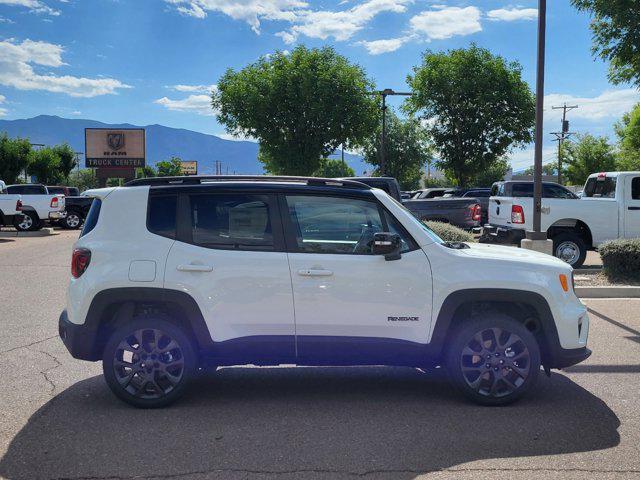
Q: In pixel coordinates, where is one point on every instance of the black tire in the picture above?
(29, 222)
(72, 221)
(133, 377)
(493, 376)
(571, 248)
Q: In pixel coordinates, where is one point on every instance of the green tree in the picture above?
(628, 132)
(547, 169)
(44, 164)
(616, 36)
(494, 173)
(477, 106)
(169, 168)
(67, 158)
(14, 157)
(406, 150)
(145, 172)
(300, 106)
(334, 168)
(83, 179)
(588, 154)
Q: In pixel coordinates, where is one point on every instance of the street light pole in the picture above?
(383, 137)
(536, 234)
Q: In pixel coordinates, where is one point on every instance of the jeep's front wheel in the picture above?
(493, 360)
(148, 362)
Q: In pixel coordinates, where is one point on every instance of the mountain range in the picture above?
(162, 142)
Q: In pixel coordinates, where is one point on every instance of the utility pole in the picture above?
(383, 140)
(562, 134)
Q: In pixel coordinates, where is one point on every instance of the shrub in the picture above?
(448, 232)
(621, 260)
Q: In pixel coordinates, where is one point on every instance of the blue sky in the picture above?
(153, 61)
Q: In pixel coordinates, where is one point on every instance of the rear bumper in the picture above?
(79, 339)
(57, 215)
(502, 234)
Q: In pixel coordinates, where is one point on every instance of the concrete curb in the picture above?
(44, 232)
(624, 291)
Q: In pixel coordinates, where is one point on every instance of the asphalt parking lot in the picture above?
(58, 419)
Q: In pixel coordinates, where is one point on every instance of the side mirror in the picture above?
(387, 244)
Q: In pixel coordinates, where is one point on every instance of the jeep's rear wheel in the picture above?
(148, 363)
(493, 360)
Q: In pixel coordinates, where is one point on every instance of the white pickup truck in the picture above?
(10, 207)
(609, 208)
(38, 206)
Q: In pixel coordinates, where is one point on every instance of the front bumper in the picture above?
(80, 340)
(501, 234)
(567, 357)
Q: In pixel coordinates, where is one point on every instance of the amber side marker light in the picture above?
(564, 282)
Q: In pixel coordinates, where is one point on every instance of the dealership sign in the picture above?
(115, 148)
(189, 168)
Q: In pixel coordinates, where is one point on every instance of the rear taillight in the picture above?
(19, 206)
(80, 261)
(517, 214)
(54, 202)
(476, 213)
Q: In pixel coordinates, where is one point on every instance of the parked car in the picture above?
(77, 208)
(62, 190)
(481, 194)
(609, 208)
(38, 206)
(388, 184)
(10, 207)
(208, 271)
(462, 212)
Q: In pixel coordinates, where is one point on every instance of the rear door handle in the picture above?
(308, 272)
(194, 268)
(633, 208)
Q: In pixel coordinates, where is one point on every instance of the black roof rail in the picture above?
(204, 179)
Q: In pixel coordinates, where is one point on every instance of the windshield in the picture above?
(432, 235)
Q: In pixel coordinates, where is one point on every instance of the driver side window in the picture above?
(334, 225)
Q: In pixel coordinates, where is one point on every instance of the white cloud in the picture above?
(3, 111)
(609, 104)
(377, 47)
(35, 6)
(233, 138)
(17, 62)
(340, 25)
(250, 11)
(443, 22)
(512, 14)
(200, 104)
(76, 112)
(193, 88)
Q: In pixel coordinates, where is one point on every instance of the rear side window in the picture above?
(161, 215)
(92, 217)
(635, 188)
(27, 189)
(56, 190)
(556, 191)
(497, 190)
(74, 192)
(522, 190)
(231, 221)
(600, 187)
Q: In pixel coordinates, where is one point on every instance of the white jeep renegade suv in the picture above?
(173, 274)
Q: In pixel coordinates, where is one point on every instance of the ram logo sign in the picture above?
(115, 148)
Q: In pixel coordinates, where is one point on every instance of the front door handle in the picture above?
(310, 272)
(191, 267)
(633, 208)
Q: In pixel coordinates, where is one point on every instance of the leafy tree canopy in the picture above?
(169, 168)
(300, 106)
(586, 155)
(547, 169)
(67, 158)
(83, 179)
(628, 132)
(616, 36)
(494, 173)
(44, 164)
(14, 157)
(406, 150)
(334, 168)
(477, 107)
